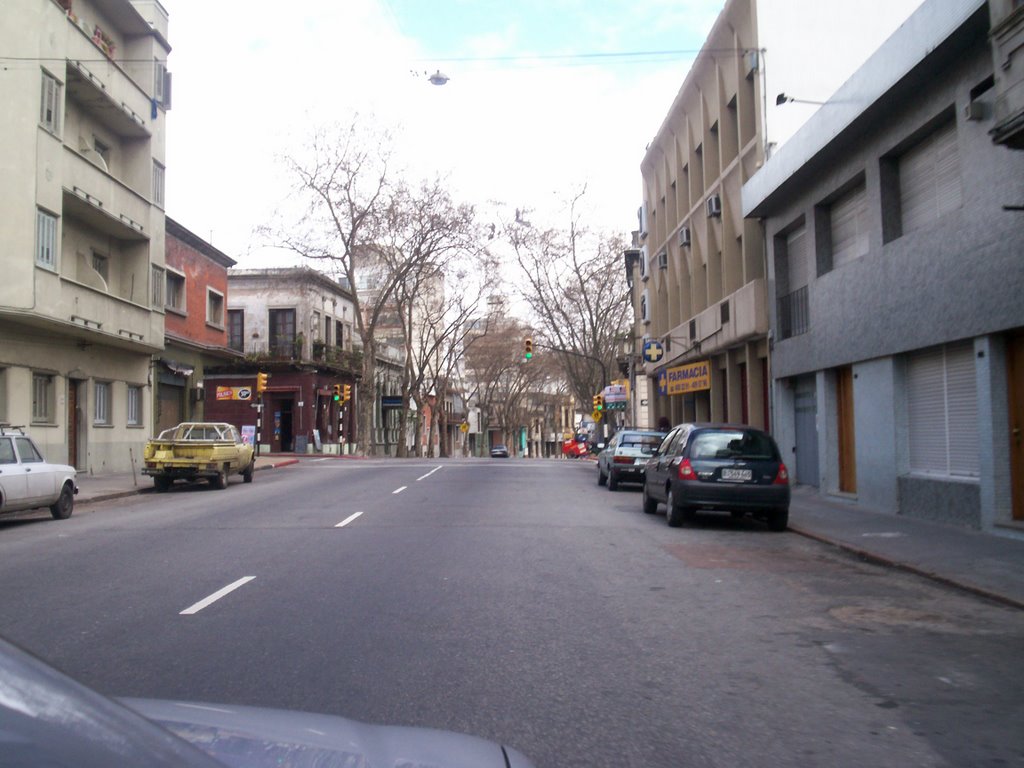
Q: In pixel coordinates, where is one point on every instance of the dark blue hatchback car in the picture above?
(728, 467)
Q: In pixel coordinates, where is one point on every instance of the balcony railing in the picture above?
(794, 317)
(294, 349)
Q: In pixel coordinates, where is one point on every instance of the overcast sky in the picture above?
(252, 80)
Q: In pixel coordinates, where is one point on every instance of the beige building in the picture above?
(698, 274)
(82, 156)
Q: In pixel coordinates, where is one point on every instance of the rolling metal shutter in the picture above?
(848, 222)
(943, 407)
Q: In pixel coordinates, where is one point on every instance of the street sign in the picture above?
(464, 427)
(595, 415)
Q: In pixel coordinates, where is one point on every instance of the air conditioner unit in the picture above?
(684, 236)
(663, 260)
(974, 110)
(714, 206)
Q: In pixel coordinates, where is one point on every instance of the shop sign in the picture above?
(685, 378)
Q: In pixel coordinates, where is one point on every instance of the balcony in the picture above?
(115, 102)
(793, 314)
(71, 309)
(1007, 37)
(291, 349)
(102, 202)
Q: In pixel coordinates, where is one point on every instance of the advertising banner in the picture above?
(234, 393)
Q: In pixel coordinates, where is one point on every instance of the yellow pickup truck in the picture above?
(194, 450)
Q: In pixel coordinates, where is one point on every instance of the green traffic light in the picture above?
(529, 355)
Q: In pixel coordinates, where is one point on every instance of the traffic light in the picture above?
(346, 394)
(598, 403)
(528, 348)
(261, 383)
(337, 392)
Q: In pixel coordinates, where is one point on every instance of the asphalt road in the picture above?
(518, 601)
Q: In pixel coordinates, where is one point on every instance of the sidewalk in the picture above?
(985, 564)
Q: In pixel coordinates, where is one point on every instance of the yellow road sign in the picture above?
(595, 415)
(464, 427)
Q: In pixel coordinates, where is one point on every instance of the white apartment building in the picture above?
(85, 89)
(699, 276)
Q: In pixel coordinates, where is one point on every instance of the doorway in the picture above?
(1015, 387)
(805, 412)
(844, 430)
(76, 424)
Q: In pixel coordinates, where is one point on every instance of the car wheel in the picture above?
(247, 474)
(61, 509)
(161, 483)
(220, 480)
(613, 482)
(602, 478)
(650, 505)
(673, 514)
(778, 519)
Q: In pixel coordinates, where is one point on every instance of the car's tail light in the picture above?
(782, 478)
(686, 470)
(623, 460)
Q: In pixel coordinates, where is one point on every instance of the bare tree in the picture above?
(575, 284)
(360, 216)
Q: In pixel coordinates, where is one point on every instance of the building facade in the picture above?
(896, 265)
(294, 324)
(195, 329)
(81, 303)
(700, 288)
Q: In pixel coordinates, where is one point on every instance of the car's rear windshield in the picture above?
(646, 442)
(732, 444)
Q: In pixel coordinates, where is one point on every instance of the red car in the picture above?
(574, 448)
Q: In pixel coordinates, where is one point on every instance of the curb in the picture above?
(149, 488)
(876, 559)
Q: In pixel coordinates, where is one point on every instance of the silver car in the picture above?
(28, 481)
(623, 459)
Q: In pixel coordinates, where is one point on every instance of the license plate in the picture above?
(736, 475)
(639, 462)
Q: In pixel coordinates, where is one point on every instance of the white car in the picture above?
(28, 481)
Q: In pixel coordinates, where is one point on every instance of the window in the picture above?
(42, 398)
(214, 307)
(27, 451)
(793, 267)
(942, 400)
(134, 406)
(158, 184)
(101, 264)
(161, 84)
(848, 226)
(282, 332)
(175, 291)
(101, 406)
(236, 329)
(49, 112)
(929, 179)
(157, 277)
(46, 239)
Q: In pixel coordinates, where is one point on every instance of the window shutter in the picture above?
(848, 221)
(796, 254)
(962, 409)
(926, 395)
(930, 179)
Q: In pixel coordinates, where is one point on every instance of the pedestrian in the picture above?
(664, 425)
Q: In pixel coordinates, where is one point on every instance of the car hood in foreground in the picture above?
(251, 737)
(49, 719)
